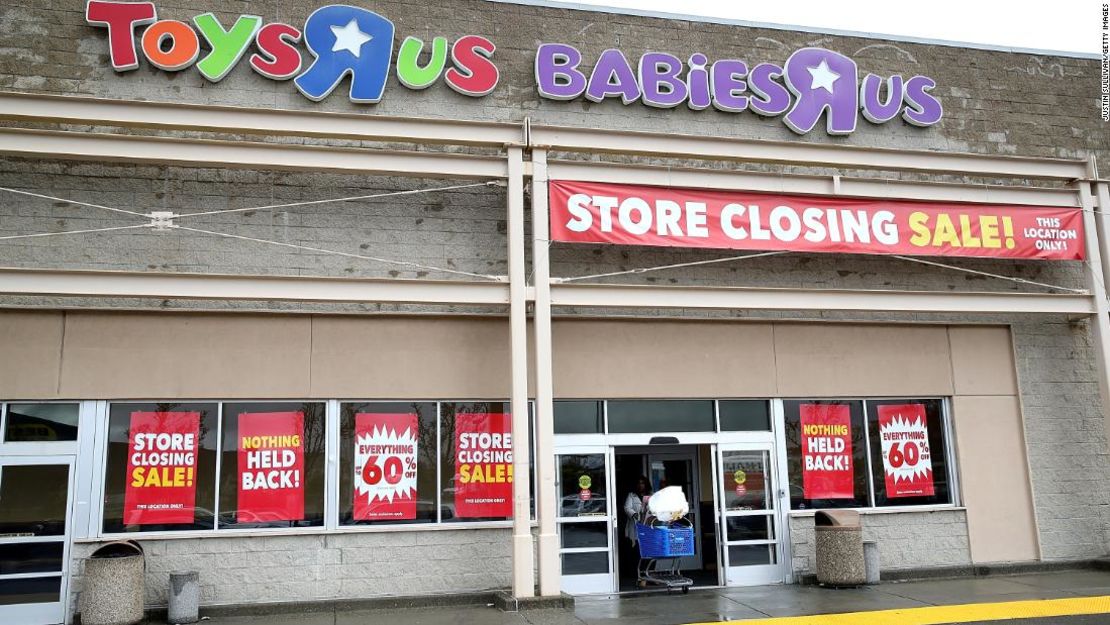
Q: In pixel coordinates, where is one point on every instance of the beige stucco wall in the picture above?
(94, 355)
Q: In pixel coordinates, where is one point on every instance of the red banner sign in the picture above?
(907, 460)
(483, 465)
(586, 212)
(385, 466)
(271, 467)
(161, 468)
(826, 452)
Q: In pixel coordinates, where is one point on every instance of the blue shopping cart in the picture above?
(662, 545)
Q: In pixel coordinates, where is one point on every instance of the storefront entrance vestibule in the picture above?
(730, 479)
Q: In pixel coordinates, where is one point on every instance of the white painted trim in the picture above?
(887, 510)
(804, 184)
(755, 298)
(252, 120)
(104, 147)
(523, 574)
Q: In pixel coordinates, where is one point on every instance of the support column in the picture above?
(549, 569)
(1098, 257)
(523, 569)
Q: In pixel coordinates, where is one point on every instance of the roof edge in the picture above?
(573, 6)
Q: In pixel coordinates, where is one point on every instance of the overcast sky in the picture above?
(1064, 25)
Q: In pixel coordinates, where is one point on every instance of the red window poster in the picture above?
(826, 452)
(483, 465)
(385, 466)
(161, 468)
(907, 461)
(271, 467)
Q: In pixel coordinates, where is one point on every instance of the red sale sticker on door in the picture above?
(385, 466)
(826, 452)
(907, 461)
(483, 465)
(161, 468)
(271, 467)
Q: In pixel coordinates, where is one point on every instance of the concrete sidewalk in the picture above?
(711, 605)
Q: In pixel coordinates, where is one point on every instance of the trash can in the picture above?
(871, 561)
(184, 598)
(839, 540)
(114, 585)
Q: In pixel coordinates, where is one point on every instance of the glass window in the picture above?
(161, 468)
(582, 485)
(40, 423)
(578, 417)
(747, 476)
(745, 415)
(751, 555)
(590, 562)
(20, 558)
(908, 459)
(584, 535)
(476, 461)
(387, 460)
(670, 415)
(33, 499)
(272, 465)
(30, 590)
(826, 453)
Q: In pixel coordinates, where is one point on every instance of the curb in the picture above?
(978, 570)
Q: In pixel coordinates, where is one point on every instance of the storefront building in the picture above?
(298, 294)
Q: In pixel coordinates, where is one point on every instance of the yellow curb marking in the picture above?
(936, 615)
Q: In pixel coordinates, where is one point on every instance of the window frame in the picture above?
(951, 459)
(101, 411)
(40, 448)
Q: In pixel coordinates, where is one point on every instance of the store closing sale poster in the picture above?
(161, 468)
(483, 465)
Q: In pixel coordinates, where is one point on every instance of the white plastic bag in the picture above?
(668, 504)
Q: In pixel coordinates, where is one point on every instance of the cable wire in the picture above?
(341, 199)
(54, 234)
(991, 275)
(403, 263)
(662, 267)
(62, 199)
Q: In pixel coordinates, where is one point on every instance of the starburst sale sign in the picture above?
(907, 461)
(385, 466)
(826, 451)
(161, 468)
(271, 466)
(483, 465)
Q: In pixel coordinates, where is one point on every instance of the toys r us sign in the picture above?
(352, 41)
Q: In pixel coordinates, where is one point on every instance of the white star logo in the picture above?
(823, 77)
(349, 38)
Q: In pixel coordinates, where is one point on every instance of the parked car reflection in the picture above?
(574, 505)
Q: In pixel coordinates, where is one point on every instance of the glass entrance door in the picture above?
(35, 505)
(679, 468)
(751, 515)
(586, 518)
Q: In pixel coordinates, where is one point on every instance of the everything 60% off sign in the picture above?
(907, 460)
(385, 466)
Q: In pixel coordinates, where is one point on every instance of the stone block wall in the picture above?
(906, 540)
(318, 567)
